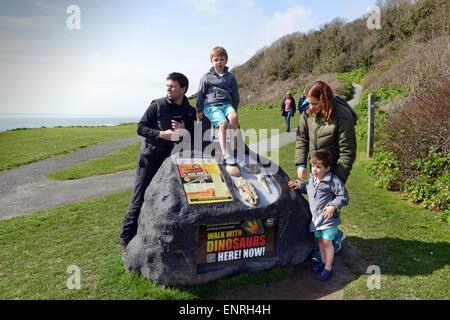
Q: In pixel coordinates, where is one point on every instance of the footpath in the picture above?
(25, 189)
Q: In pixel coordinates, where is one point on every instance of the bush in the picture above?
(431, 185)
(419, 123)
(385, 169)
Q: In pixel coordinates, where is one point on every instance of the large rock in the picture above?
(167, 249)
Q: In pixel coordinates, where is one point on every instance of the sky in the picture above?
(112, 57)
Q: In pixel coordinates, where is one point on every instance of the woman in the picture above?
(288, 109)
(328, 124)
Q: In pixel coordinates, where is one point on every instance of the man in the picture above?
(162, 125)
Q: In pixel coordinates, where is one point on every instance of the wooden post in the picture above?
(371, 125)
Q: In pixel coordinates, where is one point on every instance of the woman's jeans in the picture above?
(288, 119)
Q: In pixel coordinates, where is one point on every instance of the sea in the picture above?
(9, 121)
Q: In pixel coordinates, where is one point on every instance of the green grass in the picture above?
(125, 158)
(410, 246)
(18, 147)
(37, 249)
(269, 119)
(122, 159)
(356, 75)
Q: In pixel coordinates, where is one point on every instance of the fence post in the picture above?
(371, 125)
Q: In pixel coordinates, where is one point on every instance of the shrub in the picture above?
(384, 168)
(420, 123)
(431, 185)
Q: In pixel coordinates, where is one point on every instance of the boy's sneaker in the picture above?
(230, 161)
(316, 257)
(324, 275)
(337, 242)
(318, 267)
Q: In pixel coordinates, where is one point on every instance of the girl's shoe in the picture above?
(317, 267)
(324, 275)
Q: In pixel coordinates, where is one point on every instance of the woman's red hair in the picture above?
(322, 92)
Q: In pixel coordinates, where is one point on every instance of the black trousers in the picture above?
(145, 171)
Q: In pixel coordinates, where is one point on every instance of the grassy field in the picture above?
(119, 160)
(125, 158)
(18, 147)
(410, 246)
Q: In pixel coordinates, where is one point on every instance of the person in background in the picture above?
(288, 109)
(303, 102)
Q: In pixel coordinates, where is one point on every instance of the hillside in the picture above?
(297, 59)
(405, 64)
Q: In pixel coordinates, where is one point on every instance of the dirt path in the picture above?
(25, 189)
(302, 286)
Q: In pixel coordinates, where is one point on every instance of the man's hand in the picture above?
(169, 135)
(301, 172)
(329, 211)
(177, 125)
(200, 116)
(179, 130)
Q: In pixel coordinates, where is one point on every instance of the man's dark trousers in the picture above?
(145, 171)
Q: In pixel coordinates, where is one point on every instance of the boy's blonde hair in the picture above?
(219, 52)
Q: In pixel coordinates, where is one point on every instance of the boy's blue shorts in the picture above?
(218, 114)
(327, 234)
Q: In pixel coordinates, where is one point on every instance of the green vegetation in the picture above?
(37, 250)
(123, 159)
(429, 186)
(257, 117)
(354, 76)
(405, 65)
(409, 245)
(18, 147)
(380, 94)
(341, 47)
